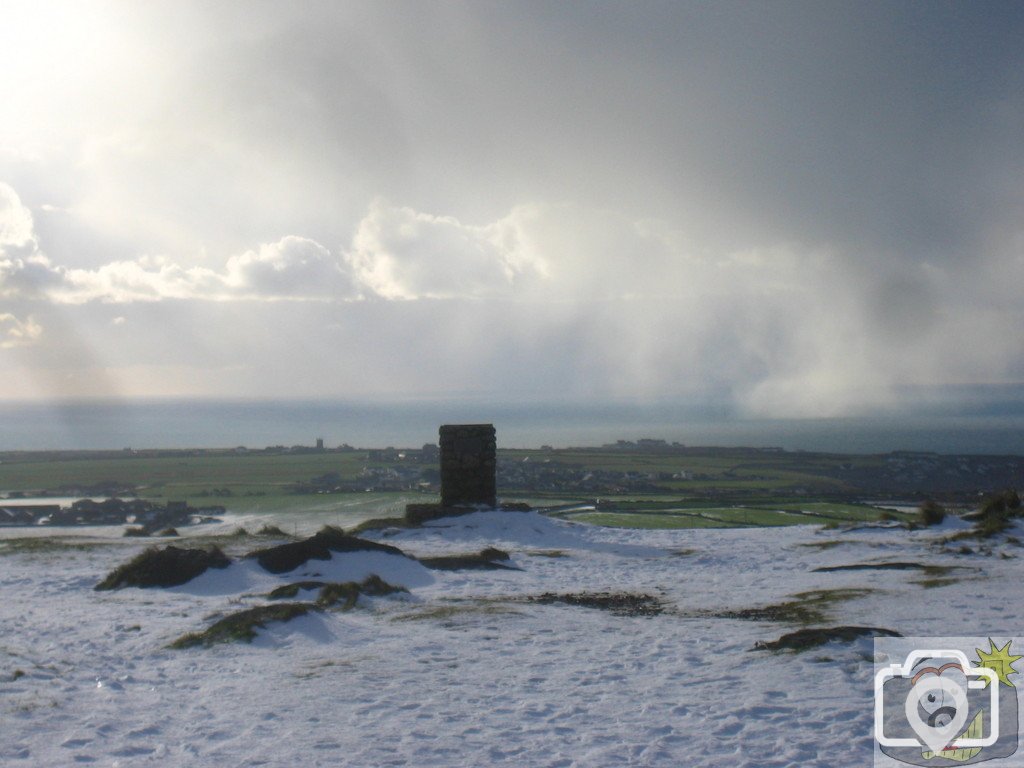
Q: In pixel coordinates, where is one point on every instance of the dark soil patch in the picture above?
(618, 603)
(167, 567)
(805, 639)
(288, 557)
(486, 559)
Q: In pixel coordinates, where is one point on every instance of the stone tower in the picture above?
(468, 465)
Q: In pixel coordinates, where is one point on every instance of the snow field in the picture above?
(460, 671)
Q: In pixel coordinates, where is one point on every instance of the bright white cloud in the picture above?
(16, 229)
(293, 268)
(399, 253)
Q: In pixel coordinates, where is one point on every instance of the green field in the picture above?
(180, 475)
(721, 487)
(654, 514)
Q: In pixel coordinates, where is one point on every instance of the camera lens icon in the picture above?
(936, 707)
(937, 711)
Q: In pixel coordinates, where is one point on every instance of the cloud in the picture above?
(293, 268)
(604, 304)
(18, 333)
(399, 253)
(16, 230)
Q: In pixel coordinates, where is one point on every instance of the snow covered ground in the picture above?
(460, 671)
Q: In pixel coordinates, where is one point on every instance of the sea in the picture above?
(139, 424)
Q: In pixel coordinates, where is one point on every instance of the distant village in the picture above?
(541, 471)
(147, 517)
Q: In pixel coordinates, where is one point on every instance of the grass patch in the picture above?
(381, 523)
(347, 593)
(994, 517)
(655, 515)
(288, 591)
(936, 582)
(44, 544)
(824, 545)
(333, 592)
(805, 639)
(242, 626)
(631, 520)
(486, 559)
(618, 603)
(320, 546)
(168, 567)
(449, 612)
(930, 570)
(930, 513)
(806, 608)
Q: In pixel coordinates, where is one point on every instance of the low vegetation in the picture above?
(931, 570)
(289, 556)
(992, 518)
(805, 608)
(288, 591)
(930, 513)
(487, 559)
(805, 639)
(450, 612)
(242, 625)
(618, 603)
(167, 567)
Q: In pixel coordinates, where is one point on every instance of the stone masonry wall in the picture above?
(468, 465)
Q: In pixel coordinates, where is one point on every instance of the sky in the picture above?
(799, 209)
